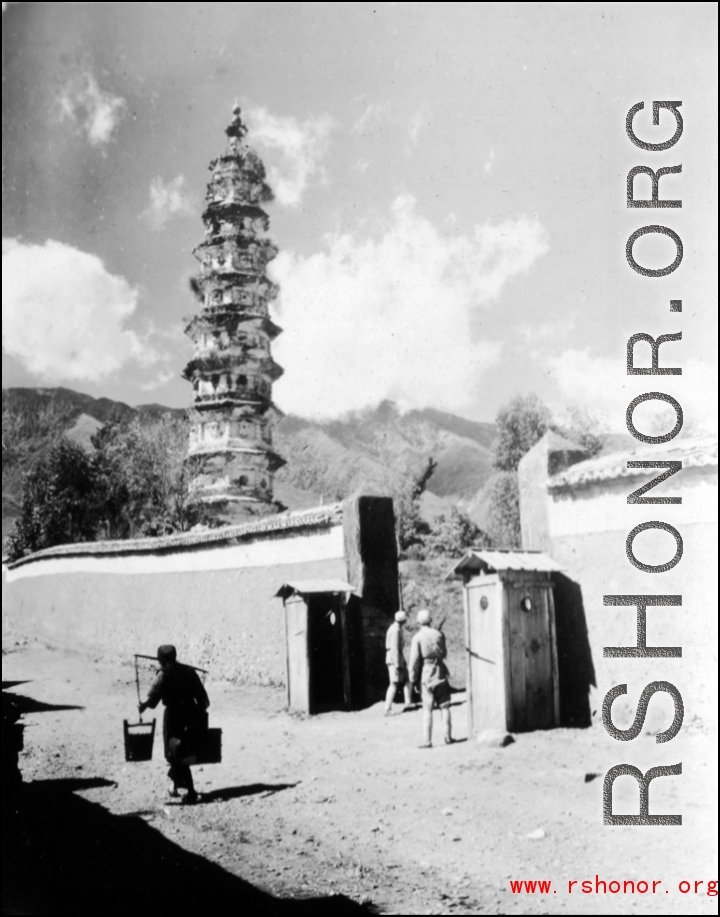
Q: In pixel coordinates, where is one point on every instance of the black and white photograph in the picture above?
(359, 458)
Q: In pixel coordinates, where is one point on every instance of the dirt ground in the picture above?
(342, 808)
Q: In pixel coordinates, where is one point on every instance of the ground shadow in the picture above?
(252, 789)
(25, 705)
(64, 855)
(13, 684)
(417, 701)
(576, 672)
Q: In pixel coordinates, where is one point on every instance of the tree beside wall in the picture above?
(59, 502)
(143, 478)
(135, 484)
(520, 425)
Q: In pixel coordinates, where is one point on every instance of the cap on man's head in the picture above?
(424, 616)
(400, 616)
(166, 653)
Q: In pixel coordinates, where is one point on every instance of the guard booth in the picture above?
(323, 634)
(512, 668)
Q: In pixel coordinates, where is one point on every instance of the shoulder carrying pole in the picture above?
(137, 683)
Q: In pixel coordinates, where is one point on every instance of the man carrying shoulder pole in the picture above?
(180, 689)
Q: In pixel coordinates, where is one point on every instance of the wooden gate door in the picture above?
(533, 676)
(298, 670)
(485, 649)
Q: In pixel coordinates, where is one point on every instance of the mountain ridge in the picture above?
(325, 458)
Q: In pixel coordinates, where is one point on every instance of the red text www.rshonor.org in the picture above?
(598, 886)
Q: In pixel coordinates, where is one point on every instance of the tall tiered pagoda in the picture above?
(232, 371)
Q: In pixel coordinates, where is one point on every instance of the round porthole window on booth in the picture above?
(526, 603)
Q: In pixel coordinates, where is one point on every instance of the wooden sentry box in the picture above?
(322, 634)
(512, 668)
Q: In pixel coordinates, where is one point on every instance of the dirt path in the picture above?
(346, 804)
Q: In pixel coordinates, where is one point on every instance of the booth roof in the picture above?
(309, 586)
(480, 561)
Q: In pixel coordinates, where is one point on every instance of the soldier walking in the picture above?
(395, 661)
(430, 674)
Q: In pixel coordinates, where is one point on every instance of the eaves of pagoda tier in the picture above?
(206, 414)
(273, 461)
(234, 289)
(235, 203)
(232, 399)
(235, 250)
(232, 364)
(244, 222)
(230, 319)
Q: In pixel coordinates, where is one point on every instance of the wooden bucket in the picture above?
(139, 738)
(207, 748)
(210, 751)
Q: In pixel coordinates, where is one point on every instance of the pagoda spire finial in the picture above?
(236, 128)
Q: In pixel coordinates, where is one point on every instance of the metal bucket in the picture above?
(139, 738)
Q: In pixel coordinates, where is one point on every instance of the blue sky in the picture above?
(450, 184)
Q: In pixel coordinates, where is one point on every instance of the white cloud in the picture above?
(158, 381)
(540, 332)
(489, 162)
(302, 146)
(418, 122)
(168, 200)
(95, 112)
(395, 318)
(602, 385)
(64, 314)
(372, 117)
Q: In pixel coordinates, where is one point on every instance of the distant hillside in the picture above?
(325, 459)
(352, 452)
(66, 402)
(83, 429)
(35, 418)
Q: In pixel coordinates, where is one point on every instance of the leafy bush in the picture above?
(25, 431)
(580, 426)
(451, 535)
(135, 484)
(143, 478)
(406, 490)
(59, 502)
(504, 514)
(520, 424)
